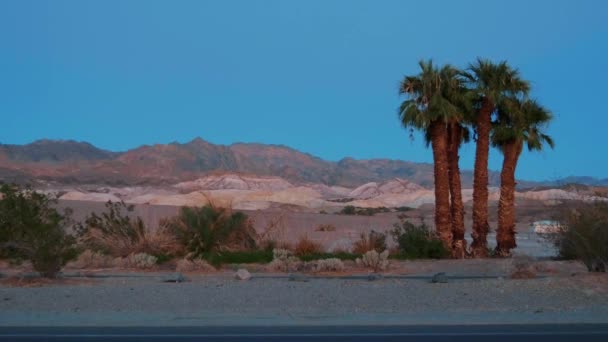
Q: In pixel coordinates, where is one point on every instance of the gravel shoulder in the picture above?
(561, 294)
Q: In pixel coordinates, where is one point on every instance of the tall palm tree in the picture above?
(429, 109)
(491, 83)
(457, 134)
(519, 122)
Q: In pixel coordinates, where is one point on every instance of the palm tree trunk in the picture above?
(459, 244)
(505, 234)
(439, 144)
(480, 181)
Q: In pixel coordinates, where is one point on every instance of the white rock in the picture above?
(242, 274)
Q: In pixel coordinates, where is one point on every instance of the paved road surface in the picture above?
(494, 333)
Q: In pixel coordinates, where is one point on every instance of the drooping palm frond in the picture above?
(522, 120)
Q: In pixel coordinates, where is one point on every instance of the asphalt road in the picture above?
(522, 333)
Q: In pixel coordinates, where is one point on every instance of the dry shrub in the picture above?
(284, 261)
(584, 235)
(325, 228)
(91, 259)
(273, 234)
(196, 265)
(372, 241)
(137, 260)
(306, 246)
(374, 260)
(328, 265)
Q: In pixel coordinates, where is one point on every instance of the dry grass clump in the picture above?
(374, 260)
(196, 265)
(372, 241)
(325, 228)
(328, 265)
(138, 261)
(92, 259)
(306, 246)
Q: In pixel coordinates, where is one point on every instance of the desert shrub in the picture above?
(209, 229)
(325, 228)
(403, 209)
(417, 241)
(584, 235)
(372, 241)
(142, 260)
(306, 246)
(91, 259)
(196, 265)
(284, 261)
(116, 233)
(32, 229)
(328, 265)
(374, 260)
(349, 210)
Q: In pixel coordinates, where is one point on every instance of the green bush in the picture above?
(416, 241)
(584, 235)
(32, 229)
(209, 229)
(348, 210)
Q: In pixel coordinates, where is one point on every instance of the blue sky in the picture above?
(319, 76)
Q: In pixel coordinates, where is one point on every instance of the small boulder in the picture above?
(242, 274)
(439, 278)
(174, 278)
(298, 277)
(374, 276)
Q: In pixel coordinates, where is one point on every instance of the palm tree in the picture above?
(519, 122)
(457, 134)
(429, 109)
(491, 83)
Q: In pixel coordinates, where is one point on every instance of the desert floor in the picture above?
(478, 291)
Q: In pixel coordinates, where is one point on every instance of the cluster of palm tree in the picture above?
(489, 100)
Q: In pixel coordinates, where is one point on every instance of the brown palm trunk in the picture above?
(459, 244)
(439, 143)
(479, 247)
(505, 234)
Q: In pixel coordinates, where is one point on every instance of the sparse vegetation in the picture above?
(417, 241)
(352, 210)
(584, 236)
(32, 229)
(115, 232)
(371, 241)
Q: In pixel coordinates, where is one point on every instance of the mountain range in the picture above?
(72, 162)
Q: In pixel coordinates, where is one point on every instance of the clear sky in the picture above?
(319, 76)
